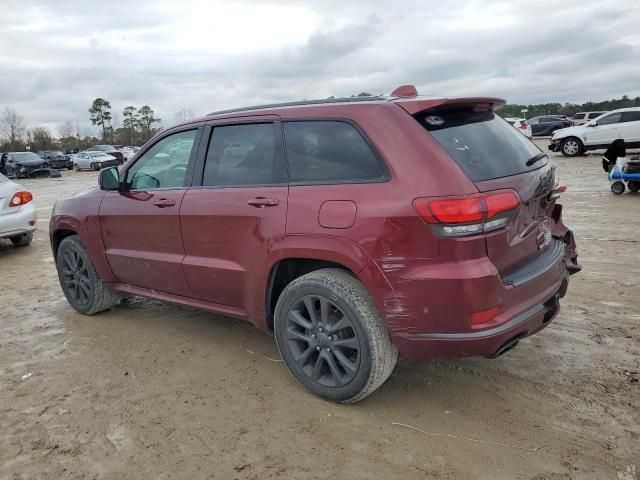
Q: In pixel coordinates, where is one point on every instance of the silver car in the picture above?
(17, 213)
(93, 160)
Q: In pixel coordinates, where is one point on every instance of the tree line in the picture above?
(569, 109)
(138, 126)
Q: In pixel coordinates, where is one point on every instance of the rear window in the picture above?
(330, 152)
(579, 116)
(481, 143)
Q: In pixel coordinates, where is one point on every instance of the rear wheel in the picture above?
(571, 147)
(617, 188)
(22, 240)
(332, 337)
(79, 280)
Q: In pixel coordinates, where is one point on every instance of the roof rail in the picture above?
(299, 103)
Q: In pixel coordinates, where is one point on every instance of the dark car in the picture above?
(354, 229)
(547, 125)
(56, 159)
(71, 151)
(111, 150)
(25, 165)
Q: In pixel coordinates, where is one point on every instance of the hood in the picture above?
(30, 163)
(576, 131)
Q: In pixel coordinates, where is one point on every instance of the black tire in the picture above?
(22, 240)
(70, 167)
(634, 186)
(571, 147)
(94, 167)
(617, 188)
(342, 352)
(79, 280)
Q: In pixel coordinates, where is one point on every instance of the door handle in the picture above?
(261, 202)
(164, 202)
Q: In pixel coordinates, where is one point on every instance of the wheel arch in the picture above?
(302, 254)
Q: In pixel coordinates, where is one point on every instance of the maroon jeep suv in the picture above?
(355, 229)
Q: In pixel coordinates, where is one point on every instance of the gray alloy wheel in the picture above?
(22, 240)
(79, 280)
(332, 337)
(571, 147)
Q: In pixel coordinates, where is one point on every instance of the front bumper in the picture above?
(16, 223)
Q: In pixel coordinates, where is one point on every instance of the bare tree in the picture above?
(183, 115)
(42, 139)
(66, 130)
(12, 126)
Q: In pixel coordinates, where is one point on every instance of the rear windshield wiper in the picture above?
(535, 158)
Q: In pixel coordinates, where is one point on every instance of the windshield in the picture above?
(482, 144)
(24, 156)
(105, 148)
(97, 154)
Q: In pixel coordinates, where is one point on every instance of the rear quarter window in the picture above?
(482, 144)
(330, 152)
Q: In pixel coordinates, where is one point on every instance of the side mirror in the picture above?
(109, 179)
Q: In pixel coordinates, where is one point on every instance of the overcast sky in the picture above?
(57, 56)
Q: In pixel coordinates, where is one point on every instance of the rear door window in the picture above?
(244, 155)
(631, 116)
(330, 152)
(579, 116)
(482, 144)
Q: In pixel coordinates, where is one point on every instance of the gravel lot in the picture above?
(149, 390)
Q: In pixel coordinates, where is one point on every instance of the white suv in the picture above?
(599, 133)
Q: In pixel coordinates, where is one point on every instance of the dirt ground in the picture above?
(149, 390)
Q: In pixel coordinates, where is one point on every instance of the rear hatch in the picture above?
(497, 157)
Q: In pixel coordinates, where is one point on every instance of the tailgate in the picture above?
(530, 232)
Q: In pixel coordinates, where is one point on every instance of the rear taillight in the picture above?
(469, 215)
(20, 198)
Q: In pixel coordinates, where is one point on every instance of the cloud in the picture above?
(210, 55)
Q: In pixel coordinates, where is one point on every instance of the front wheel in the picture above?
(332, 337)
(79, 280)
(571, 147)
